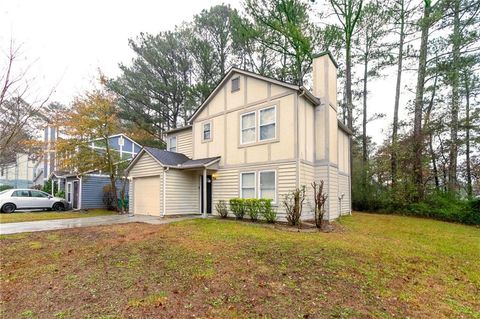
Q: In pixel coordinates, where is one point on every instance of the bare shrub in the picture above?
(293, 202)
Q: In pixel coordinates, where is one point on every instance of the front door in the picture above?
(76, 194)
(209, 193)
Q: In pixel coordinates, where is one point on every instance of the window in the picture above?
(38, 194)
(21, 193)
(247, 181)
(236, 84)
(268, 123)
(172, 144)
(207, 131)
(267, 185)
(248, 128)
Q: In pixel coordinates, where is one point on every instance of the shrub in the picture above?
(60, 194)
(237, 206)
(266, 210)
(293, 202)
(252, 208)
(221, 208)
(5, 187)
(320, 198)
(108, 197)
(472, 216)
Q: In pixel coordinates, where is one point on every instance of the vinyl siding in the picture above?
(307, 176)
(183, 194)
(145, 166)
(227, 183)
(92, 190)
(185, 142)
(344, 188)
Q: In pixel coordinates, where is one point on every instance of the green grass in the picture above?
(375, 266)
(42, 215)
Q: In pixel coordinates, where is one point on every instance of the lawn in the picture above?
(374, 266)
(43, 215)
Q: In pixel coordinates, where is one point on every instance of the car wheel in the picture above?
(8, 208)
(58, 207)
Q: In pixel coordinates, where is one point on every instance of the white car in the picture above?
(13, 199)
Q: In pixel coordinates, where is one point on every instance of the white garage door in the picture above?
(146, 191)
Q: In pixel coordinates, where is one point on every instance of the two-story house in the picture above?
(253, 137)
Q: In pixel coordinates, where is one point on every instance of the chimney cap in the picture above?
(317, 55)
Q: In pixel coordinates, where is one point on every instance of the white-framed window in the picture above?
(172, 144)
(236, 84)
(267, 185)
(248, 128)
(69, 192)
(268, 122)
(207, 131)
(247, 185)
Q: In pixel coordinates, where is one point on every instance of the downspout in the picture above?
(164, 191)
(80, 192)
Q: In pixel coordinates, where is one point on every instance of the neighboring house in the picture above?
(46, 163)
(84, 191)
(253, 137)
(18, 173)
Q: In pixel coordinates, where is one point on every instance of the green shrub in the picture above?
(472, 216)
(237, 206)
(60, 194)
(221, 208)
(5, 187)
(252, 208)
(267, 211)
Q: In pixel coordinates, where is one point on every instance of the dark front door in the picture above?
(209, 193)
(76, 194)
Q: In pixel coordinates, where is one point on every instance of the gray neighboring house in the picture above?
(85, 191)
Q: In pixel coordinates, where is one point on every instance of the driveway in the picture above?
(43, 225)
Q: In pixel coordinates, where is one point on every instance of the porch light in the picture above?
(214, 176)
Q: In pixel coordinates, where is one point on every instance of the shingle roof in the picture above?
(199, 162)
(178, 159)
(166, 157)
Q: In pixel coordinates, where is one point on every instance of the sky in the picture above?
(65, 43)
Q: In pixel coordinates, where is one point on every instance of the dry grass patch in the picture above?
(378, 266)
(45, 215)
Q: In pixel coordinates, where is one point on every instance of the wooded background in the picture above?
(431, 156)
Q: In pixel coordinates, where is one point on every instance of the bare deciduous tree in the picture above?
(16, 112)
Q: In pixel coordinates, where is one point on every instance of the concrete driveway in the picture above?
(43, 225)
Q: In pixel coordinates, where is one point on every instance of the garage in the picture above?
(147, 195)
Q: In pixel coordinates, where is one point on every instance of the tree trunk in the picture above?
(452, 165)
(467, 137)
(364, 122)
(418, 108)
(427, 127)
(111, 173)
(394, 163)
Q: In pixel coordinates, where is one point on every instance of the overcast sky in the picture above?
(66, 42)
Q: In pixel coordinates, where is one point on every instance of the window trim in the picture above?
(170, 143)
(249, 128)
(274, 200)
(274, 107)
(203, 131)
(254, 182)
(231, 84)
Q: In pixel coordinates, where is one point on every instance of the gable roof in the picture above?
(232, 70)
(178, 129)
(167, 158)
(173, 159)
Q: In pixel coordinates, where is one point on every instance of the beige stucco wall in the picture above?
(224, 112)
